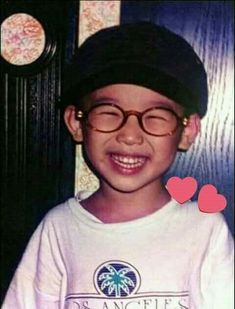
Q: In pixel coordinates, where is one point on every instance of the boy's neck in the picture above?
(112, 206)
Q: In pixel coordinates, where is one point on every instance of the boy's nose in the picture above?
(131, 133)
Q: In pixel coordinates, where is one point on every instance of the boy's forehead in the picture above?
(131, 96)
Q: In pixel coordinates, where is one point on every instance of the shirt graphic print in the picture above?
(118, 287)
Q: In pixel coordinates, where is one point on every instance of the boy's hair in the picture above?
(143, 54)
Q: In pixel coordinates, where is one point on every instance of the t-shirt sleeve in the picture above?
(37, 280)
(217, 273)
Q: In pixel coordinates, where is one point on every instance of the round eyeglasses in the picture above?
(156, 121)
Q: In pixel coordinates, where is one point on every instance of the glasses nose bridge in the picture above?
(134, 113)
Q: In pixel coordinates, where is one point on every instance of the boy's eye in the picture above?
(154, 117)
(106, 110)
(108, 113)
(159, 114)
(105, 117)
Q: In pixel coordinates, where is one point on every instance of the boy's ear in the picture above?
(190, 132)
(73, 125)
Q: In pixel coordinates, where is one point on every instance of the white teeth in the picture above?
(128, 161)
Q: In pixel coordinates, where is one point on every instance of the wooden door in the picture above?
(37, 154)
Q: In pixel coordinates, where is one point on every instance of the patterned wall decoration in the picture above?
(94, 15)
(22, 39)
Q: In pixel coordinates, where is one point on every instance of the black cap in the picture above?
(139, 53)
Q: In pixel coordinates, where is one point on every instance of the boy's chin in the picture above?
(128, 186)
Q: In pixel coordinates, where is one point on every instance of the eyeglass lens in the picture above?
(108, 118)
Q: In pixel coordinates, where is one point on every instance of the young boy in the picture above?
(135, 96)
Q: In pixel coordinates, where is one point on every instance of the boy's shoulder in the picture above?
(191, 209)
(195, 219)
(60, 212)
(65, 211)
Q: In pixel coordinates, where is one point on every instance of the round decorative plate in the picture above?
(26, 43)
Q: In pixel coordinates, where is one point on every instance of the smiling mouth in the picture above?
(128, 162)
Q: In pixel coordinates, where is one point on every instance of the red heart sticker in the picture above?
(209, 200)
(181, 189)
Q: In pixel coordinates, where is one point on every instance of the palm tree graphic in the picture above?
(116, 280)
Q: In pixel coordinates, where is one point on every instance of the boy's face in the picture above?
(129, 159)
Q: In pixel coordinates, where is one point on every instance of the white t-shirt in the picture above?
(175, 258)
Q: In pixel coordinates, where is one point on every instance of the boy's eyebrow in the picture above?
(101, 99)
(168, 104)
(161, 103)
